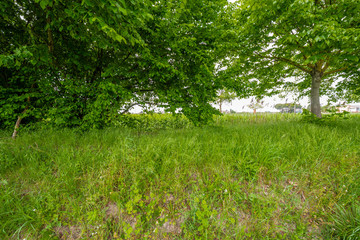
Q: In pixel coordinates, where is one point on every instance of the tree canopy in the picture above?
(224, 96)
(82, 63)
(316, 42)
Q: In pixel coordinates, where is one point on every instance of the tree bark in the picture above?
(315, 93)
(49, 32)
(17, 124)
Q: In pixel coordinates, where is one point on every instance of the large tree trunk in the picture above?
(315, 93)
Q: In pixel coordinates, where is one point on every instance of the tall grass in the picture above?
(246, 176)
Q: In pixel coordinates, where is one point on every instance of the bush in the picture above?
(151, 122)
(331, 117)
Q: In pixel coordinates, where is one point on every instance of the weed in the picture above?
(345, 223)
(260, 176)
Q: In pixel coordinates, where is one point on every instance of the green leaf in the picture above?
(44, 3)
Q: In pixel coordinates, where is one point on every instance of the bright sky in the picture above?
(241, 105)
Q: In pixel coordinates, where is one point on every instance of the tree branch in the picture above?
(128, 108)
(335, 71)
(326, 66)
(49, 32)
(302, 68)
(20, 117)
(144, 90)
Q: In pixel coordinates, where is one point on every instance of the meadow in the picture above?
(264, 176)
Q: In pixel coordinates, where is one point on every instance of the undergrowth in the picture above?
(246, 176)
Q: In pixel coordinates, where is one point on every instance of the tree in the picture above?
(349, 90)
(316, 41)
(80, 63)
(224, 96)
(256, 104)
(182, 43)
(53, 55)
(288, 107)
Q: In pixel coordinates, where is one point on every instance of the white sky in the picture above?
(241, 105)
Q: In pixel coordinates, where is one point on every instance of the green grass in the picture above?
(245, 177)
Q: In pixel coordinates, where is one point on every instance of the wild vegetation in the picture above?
(82, 63)
(79, 166)
(245, 176)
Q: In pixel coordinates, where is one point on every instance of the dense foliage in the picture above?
(81, 63)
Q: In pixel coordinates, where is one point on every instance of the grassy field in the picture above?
(244, 177)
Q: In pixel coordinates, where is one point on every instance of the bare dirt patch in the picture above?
(112, 211)
(68, 233)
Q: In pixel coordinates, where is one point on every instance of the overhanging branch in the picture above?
(298, 66)
(335, 71)
(128, 108)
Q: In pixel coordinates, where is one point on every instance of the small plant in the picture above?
(330, 117)
(200, 220)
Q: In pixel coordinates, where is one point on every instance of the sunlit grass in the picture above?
(245, 176)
